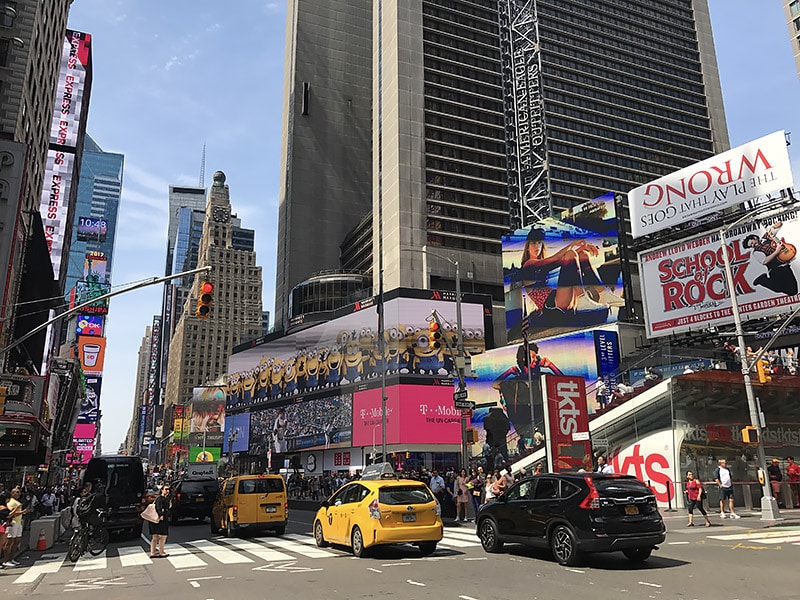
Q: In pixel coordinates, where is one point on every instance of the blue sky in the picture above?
(172, 75)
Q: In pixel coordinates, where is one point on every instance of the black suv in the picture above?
(193, 498)
(573, 513)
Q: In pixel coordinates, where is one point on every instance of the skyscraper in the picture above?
(792, 10)
(608, 109)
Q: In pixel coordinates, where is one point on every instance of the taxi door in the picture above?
(221, 509)
(335, 516)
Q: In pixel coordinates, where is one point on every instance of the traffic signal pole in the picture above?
(94, 300)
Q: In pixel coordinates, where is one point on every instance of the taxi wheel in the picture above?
(231, 530)
(357, 543)
(280, 530)
(319, 536)
(427, 548)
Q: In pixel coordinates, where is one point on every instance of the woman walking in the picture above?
(695, 492)
(159, 531)
(475, 485)
(461, 494)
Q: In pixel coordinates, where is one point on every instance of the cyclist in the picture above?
(88, 506)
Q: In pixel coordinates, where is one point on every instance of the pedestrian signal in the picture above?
(435, 334)
(471, 436)
(204, 298)
(750, 435)
(762, 368)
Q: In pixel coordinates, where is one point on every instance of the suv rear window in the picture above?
(260, 486)
(208, 488)
(618, 486)
(407, 494)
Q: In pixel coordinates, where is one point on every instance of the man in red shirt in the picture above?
(793, 475)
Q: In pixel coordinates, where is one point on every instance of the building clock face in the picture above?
(220, 215)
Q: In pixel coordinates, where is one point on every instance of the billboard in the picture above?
(415, 414)
(345, 352)
(94, 267)
(311, 425)
(82, 444)
(92, 354)
(204, 454)
(71, 88)
(566, 423)
(55, 202)
(564, 273)
(180, 427)
(755, 169)
(684, 286)
(91, 229)
(89, 325)
(207, 419)
(85, 291)
(90, 405)
(238, 428)
(502, 379)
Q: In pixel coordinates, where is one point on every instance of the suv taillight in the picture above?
(178, 497)
(592, 500)
(374, 510)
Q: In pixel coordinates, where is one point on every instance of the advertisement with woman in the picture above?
(207, 418)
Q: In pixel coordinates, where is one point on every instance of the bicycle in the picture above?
(93, 538)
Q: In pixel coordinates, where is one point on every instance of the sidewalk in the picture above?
(749, 519)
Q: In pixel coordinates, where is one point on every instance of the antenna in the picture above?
(203, 168)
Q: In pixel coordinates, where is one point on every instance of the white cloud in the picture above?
(172, 62)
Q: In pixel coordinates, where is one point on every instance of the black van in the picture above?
(123, 478)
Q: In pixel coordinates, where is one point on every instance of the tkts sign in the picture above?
(566, 423)
(738, 175)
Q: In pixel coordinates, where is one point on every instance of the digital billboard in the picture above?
(89, 325)
(90, 405)
(564, 273)
(684, 285)
(238, 428)
(755, 169)
(83, 444)
(310, 425)
(207, 419)
(344, 352)
(71, 89)
(204, 454)
(94, 267)
(92, 354)
(180, 427)
(415, 414)
(503, 375)
(91, 229)
(86, 291)
(55, 202)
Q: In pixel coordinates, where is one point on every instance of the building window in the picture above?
(796, 24)
(794, 7)
(7, 20)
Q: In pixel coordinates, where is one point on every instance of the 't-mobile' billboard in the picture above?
(684, 286)
(755, 169)
(75, 62)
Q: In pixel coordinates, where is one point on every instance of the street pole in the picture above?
(460, 361)
(769, 506)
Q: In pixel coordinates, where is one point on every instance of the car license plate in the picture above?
(199, 499)
(272, 509)
(631, 510)
(409, 518)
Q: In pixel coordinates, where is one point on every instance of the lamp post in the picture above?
(769, 506)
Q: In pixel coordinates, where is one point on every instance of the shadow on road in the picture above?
(605, 561)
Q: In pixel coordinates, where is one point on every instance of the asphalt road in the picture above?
(732, 560)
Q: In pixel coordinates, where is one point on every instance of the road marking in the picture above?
(194, 584)
(477, 558)
(456, 543)
(784, 540)
(374, 570)
(130, 556)
(288, 567)
(576, 571)
(262, 552)
(397, 564)
(412, 582)
(40, 568)
(308, 551)
(303, 539)
(220, 553)
(467, 598)
(93, 583)
(181, 558)
(655, 585)
(86, 563)
(678, 543)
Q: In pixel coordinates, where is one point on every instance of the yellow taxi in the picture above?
(380, 509)
(250, 503)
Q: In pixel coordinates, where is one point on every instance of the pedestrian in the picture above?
(603, 466)
(475, 485)
(159, 531)
(14, 529)
(48, 502)
(538, 438)
(696, 493)
(488, 488)
(775, 478)
(793, 475)
(538, 469)
(500, 483)
(461, 495)
(724, 479)
(6, 514)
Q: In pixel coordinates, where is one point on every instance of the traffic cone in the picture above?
(42, 543)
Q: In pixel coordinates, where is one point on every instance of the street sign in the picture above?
(460, 395)
(465, 404)
(466, 413)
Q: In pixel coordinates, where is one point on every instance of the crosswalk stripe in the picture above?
(755, 535)
(461, 535)
(789, 539)
(456, 543)
(302, 538)
(88, 562)
(220, 553)
(262, 552)
(291, 545)
(131, 556)
(40, 568)
(182, 558)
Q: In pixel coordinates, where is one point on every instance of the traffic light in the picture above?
(750, 435)
(435, 334)
(204, 298)
(762, 367)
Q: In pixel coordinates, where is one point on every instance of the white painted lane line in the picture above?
(576, 571)
(130, 556)
(677, 543)
(220, 553)
(91, 563)
(292, 546)
(40, 568)
(655, 585)
(194, 584)
(374, 570)
(303, 539)
(778, 540)
(262, 552)
(412, 582)
(397, 564)
(461, 535)
(755, 535)
(477, 558)
(182, 558)
(467, 598)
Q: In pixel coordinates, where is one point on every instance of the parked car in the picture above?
(193, 498)
(574, 513)
(380, 509)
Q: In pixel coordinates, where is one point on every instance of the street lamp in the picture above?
(769, 506)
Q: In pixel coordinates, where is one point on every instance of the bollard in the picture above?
(669, 498)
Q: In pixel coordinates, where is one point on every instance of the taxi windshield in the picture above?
(406, 494)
